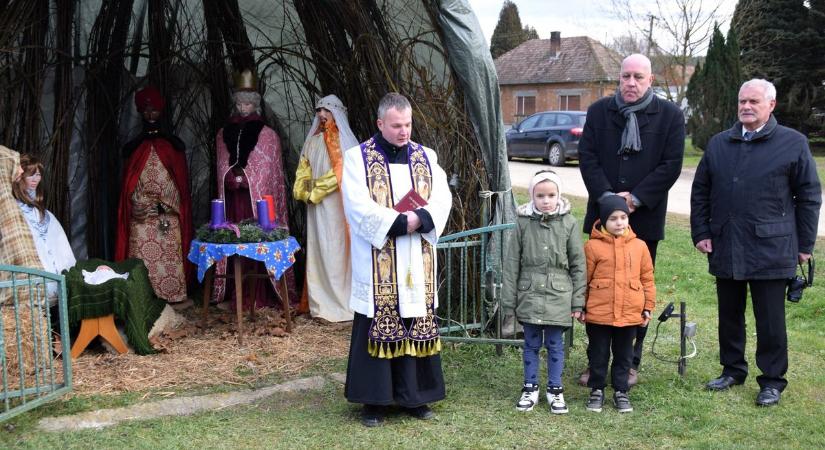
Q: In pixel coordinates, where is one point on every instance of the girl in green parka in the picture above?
(544, 283)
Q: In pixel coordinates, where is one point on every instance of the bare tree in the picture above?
(629, 43)
(677, 32)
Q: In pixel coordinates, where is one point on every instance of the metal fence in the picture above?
(470, 266)
(34, 339)
(469, 284)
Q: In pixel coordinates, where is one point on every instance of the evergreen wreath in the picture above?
(249, 229)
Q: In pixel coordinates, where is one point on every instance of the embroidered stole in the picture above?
(388, 336)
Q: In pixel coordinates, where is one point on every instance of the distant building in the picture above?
(554, 75)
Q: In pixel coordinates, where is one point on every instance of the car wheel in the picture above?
(555, 154)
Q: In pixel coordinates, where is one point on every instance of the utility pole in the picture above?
(651, 17)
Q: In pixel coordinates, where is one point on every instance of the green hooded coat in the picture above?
(544, 268)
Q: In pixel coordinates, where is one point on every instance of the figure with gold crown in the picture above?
(318, 183)
(250, 166)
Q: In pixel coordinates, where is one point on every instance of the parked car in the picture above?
(551, 135)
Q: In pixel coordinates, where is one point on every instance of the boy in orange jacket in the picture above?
(621, 293)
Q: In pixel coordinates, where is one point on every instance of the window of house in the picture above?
(525, 105)
(570, 102)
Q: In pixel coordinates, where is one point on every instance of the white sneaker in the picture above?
(557, 404)
(529, 398)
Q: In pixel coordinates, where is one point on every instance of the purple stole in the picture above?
(388, 336)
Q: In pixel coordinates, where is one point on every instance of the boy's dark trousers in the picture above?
(604, 339)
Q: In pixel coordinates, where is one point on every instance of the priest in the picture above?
(396, 201)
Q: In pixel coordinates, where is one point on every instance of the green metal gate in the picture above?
(469, 285)
(469, 282)
(35, 362)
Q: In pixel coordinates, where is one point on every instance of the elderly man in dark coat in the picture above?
(754, 211)
(632, 146)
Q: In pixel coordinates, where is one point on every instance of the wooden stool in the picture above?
(98, 326)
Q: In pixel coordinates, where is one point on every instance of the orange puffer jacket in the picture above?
(620, 282)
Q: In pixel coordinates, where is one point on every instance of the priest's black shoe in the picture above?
(722, 383)
(372, 416)
(768, 396)
(422, 412)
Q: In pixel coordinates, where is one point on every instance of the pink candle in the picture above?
(270, 203)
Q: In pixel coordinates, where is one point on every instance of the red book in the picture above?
(410, 201)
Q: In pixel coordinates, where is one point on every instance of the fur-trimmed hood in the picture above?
(527, 210)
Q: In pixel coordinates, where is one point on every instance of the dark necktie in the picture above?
(748, 135)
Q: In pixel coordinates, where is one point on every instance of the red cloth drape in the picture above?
(175, 162)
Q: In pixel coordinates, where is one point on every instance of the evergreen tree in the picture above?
(781, 41)
(818, 23)
(733, 69)
(509, 32)
(530, 33)
(712, 91)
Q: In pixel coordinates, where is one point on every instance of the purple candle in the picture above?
(217, 213)
(263, 215)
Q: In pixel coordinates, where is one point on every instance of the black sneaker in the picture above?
(422, 412)
(596, 400)
(372, 416)
(622, 402)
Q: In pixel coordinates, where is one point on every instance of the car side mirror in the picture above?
(514, 127)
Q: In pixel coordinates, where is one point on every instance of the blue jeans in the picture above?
(553, 339)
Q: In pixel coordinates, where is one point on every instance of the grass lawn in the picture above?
(670, 411)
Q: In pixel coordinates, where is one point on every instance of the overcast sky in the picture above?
(594, 18)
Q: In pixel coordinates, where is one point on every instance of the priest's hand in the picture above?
(413, 222)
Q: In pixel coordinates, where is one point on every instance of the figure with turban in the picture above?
(249, 167)
(318, 183)
(154, 214)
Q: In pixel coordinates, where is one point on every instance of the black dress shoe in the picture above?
(722, 383)
(372, 416)
(768, 396)
(422, 412)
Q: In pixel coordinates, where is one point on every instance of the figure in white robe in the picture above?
(50, 240)
(318, 183)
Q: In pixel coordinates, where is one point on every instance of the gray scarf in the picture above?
(631, 141)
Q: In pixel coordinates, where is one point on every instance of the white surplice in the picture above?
(369, 224)
(328, 269)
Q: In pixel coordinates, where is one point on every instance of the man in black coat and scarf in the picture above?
(632, 146)
(754, 211)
